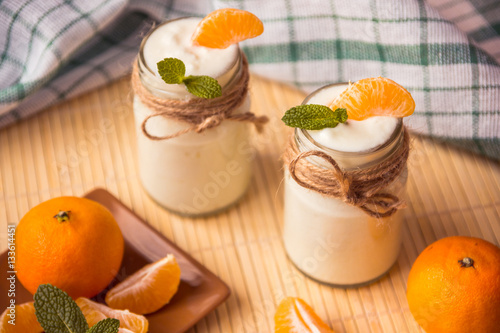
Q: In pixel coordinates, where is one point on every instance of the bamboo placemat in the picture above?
(89, 142)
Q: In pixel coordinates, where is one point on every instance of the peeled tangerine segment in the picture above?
(95, 312)
(294, 315)
(148, 289)
(25, 320)
(224, 27)
(377, 96)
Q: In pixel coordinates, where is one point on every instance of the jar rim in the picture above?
(142, 61)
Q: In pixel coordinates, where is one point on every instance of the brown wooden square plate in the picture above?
(200, 291)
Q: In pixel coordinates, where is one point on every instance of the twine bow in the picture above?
(361, 188)
(200, 113)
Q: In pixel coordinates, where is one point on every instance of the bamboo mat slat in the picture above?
(89, 142)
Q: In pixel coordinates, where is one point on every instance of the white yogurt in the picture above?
(331, 241)
(195, 173)
(173, 40)
(352, 136)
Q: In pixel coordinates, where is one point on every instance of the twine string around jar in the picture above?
(360, 187)
(200, 113)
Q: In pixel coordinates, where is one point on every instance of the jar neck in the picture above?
(349, 160)
(153, 82)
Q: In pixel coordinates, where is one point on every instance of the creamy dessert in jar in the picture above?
(197, 172)
(333, 239)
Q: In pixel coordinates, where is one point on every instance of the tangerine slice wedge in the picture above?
(224, 27)
(148, 289)
(375, 97)
(95, 312)
(295, 315)
(25, 320)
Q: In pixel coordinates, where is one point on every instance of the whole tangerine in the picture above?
(454, 286)
(72, 243)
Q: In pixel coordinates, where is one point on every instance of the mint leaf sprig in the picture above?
(59, 313)
(314, 117)
(173, 71)
(108, 325)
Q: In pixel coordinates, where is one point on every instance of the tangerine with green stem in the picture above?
(72, 243)
(454, 286)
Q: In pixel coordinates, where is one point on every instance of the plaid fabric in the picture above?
(445, 52)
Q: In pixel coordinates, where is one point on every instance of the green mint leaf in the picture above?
(314, 117)
(340, 115)
(203, 86)
(171, 70)
(108, 325)
(57, 312)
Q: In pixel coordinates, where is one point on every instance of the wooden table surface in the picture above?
(89, 142)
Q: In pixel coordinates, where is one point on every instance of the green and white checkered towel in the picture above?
(445, 52)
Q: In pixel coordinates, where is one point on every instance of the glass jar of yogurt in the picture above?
(194, 173)
(327, 239)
